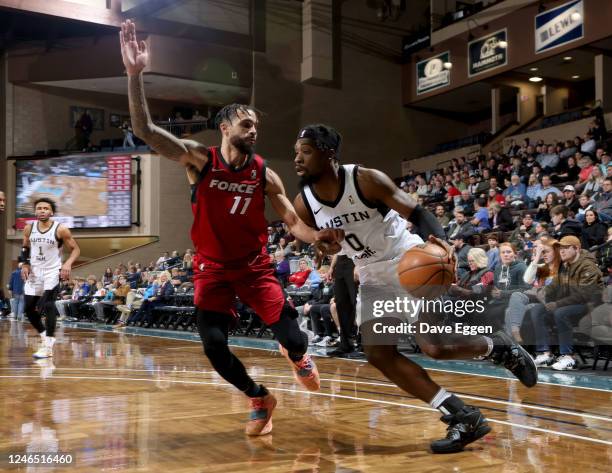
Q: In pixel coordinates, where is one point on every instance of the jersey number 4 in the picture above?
(245, 206)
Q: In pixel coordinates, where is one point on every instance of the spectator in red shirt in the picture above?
(495, 197)
(301, 275)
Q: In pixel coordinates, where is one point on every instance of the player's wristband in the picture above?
(426, 223)
(24, 256)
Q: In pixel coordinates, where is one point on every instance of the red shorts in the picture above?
(216, 287)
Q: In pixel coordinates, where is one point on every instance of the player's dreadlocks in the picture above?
(229, 112)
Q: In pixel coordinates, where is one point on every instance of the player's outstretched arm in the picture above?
(135, 59)
(326, 241)
(378, 188)
(24, 256)
(65, 235)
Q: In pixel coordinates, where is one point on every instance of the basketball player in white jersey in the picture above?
(42, 270)
(371, 209)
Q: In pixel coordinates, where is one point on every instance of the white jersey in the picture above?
(45, 248)
(372, 234)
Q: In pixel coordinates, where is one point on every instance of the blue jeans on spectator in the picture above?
(565, 319)
(17, 305)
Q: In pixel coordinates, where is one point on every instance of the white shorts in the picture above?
(41, 280)
(379, 282)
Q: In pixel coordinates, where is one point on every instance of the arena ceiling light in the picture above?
(503, 44)
(448, 65)
(568, 58)
(576, 76)
(535, 79)
(533, 69)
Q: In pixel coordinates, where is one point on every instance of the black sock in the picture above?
(256, 390)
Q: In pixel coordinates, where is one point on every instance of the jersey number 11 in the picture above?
(245, 206)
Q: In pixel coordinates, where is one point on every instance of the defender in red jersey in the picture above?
(229, 186)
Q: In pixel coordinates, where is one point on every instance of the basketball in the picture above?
(426, 271)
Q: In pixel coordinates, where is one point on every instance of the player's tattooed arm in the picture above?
(136, 59)
(65, 235)
(25, 252)
(326, 241)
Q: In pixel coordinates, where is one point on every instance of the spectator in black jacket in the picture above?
(162, 297)
(461, 252)
(570, 200)
(563, 226)
(594, 232)
(502, 218)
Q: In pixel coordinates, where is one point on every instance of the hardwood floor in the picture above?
(132, 403)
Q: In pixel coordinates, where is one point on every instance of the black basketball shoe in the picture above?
(514, 358)
(464, 426)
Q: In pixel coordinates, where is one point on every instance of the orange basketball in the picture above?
(426, 271)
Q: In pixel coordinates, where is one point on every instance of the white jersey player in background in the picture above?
(42, 269)
(369, 207)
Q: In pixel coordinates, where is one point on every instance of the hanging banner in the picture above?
(488, 52)
(432, 74)
(559, 26)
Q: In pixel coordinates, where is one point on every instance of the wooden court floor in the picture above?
(118, 402)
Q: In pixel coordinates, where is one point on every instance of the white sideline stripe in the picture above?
(348, 381)
(356, 361)
(341, 396)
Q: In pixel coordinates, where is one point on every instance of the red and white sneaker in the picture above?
(260, 421)
(305, 371)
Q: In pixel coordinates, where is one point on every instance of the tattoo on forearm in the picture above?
(157, 138)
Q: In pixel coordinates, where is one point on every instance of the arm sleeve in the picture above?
(426, 223)
(530, 273)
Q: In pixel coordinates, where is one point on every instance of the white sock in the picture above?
(441, 396)
(50, 342)
(490, 346)
(43, 336)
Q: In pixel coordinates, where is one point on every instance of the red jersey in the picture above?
(228, 206)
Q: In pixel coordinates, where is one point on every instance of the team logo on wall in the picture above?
(432, 73)
(488, 52)
(559, 26)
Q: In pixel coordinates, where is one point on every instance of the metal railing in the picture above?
(185, 128)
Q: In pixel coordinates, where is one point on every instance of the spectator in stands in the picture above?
(161, 297)
(422, 187)
(466, 202)
(547, 188)
(441, 216)
(472, 184)
(128, 135)
(187, 265)
(551, 200)
(483, 185)
(516, 193)
(16, 294)
(281, 267)
(570, 200)
(533, 188)
(452, 193)
(605, 164)
(501, 219)
(107, 277)
(562, 225)
(493, 251)
(494, 197)
(594, 183)
(584, 204)
(590, 145)
(438, 193)
(133, 277)
(460, 225)
(568, 173)
(602, 201)
(162, 259)
(575, 290)
(298, 279)
(480, 221)
(461, 252)
(594, 232)
(411, 190)
(586, 168)
(476, 282)
(526, 231)
(130, 310)
(273, 238)
(537, 275)
(569, 150)
(507, 278)
(548, 160)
